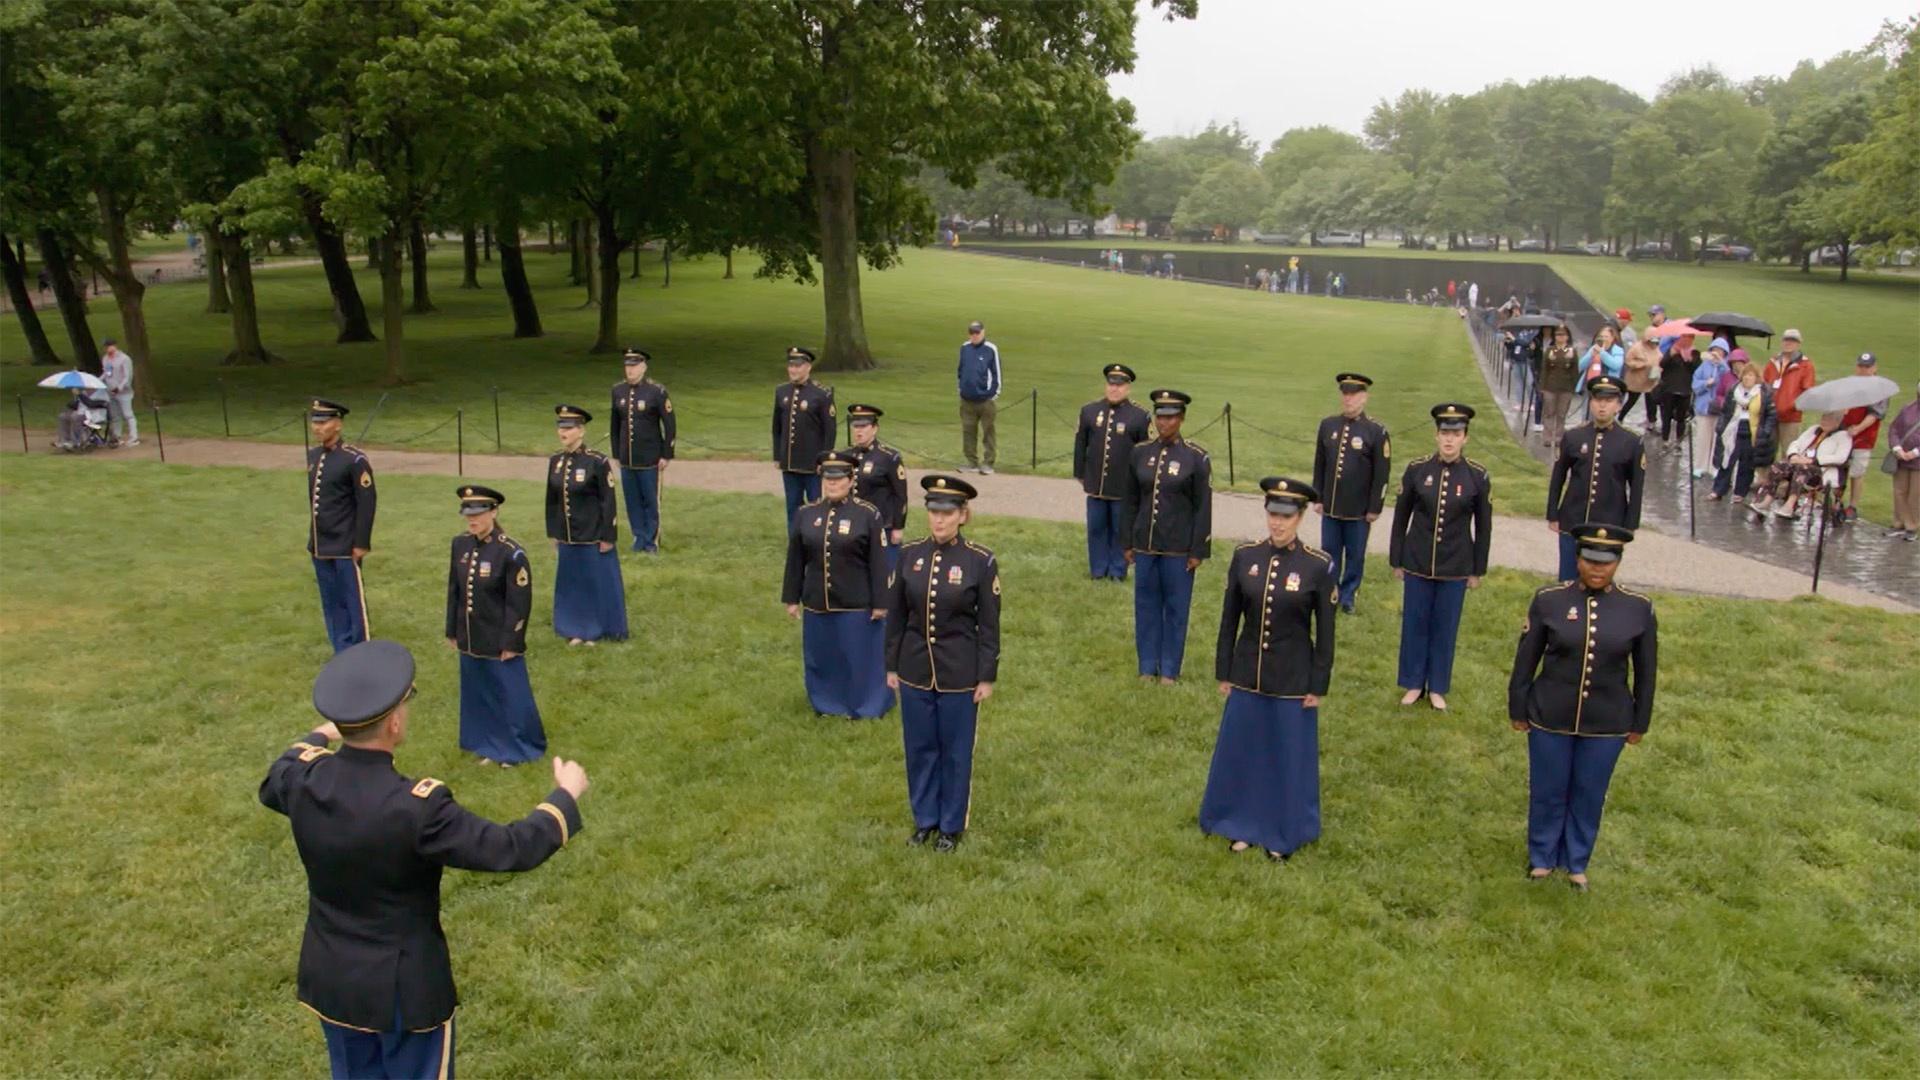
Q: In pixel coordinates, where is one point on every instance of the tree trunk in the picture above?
(217, 300)
(666, 263)
(574, 272)
(589, 249)
(129, 294)
(16, 274)
(392, 295)
(549, 238)
(486, 243)
(247, 347)
(513, 274)
(417, 251)
(349, 311)
(373, 253)
(608, 338)
(636, 263)
(728, 276)
(469, 257)
(1846, 253)
(73, 306)
(845, 347)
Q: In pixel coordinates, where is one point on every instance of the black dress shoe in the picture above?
(947, 842)
(1347, 607)
(921, 836)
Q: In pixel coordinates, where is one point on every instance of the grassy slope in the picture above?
(741, 902)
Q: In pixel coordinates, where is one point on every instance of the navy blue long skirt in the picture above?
(498, 717)
(589, 600)
(1264, 786)
(845, 654)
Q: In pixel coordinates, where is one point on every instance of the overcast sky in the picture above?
(1279, 64)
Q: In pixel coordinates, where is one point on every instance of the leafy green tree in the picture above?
(1228, 196)
(1301, 149)
(1556, 139)
(1788, 211)
(1881, 196)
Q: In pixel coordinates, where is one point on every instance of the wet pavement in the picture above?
(1858, 554)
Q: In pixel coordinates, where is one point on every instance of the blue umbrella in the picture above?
(73, 380)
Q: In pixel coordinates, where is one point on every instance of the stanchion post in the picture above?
(1691, 482)
(459, 443)
(497, 448)
(1033, 461)
(21, 401)
(226, 424)
(159, 436)
(1820, 547)
(1229, 412)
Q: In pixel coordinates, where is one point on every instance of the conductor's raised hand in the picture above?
(570, 776)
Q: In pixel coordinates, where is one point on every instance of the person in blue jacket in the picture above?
(979, 377)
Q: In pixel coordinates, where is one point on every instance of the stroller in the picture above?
(86, 429)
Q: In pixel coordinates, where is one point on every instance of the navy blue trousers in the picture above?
(801, 488)
(343, 601)
(844, 654)
(1567, 778)
(1429, 627)
(1264, 785)
(1162, 596)
(398, 1054)
(1104, 558)
(1346, 541)
(589, 598)
(498, 717)
(642, 489)
(938, 730)
(1568, 556)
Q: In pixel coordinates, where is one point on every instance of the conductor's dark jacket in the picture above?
(374, 842)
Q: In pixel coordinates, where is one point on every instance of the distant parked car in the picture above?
(1592, 247)
(1282, 239)
(1337, 238)
(1528, 244)
(1830, 256)
(1726, 253)
(1479, 243)
(980, 227)
(1650, 249)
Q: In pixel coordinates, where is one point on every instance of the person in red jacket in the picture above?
(1787, 374)
(1863, 423)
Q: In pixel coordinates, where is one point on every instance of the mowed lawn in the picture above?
(720, 345)
(742, 902)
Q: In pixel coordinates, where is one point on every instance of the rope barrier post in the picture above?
(1820, 547)
(1033, 461)
(497, 448)
(159, 435)
(459, 444)
(371, 417)
(306, 440)
(226, 425)
(1692, 484)
(1229, 415)
(21, 400)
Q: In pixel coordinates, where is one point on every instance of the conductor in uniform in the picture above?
(943, 655)
(489, 600)
(1102, 446)
(643, 434)
(803, 429)
(1582, 688)
(836, 584)
(1274, 661)
(374, 965)
(1599, 475)
(589, 598)
(880, 474)
(1351, 471)
(339, 523)
(1166, 525)
(1442, 537)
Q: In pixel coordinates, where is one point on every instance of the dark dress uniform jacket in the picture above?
(803, 426)
(489, 595)
(943, 616)
(1350, 466)
(342, 498)
(580, 498)
(374, 843)
(1166, 500)
(1597, 477)
(643, 425)
(1276, 623)
(1104, 443)
(836, 557)
(1571, 671)
(1443, 519)
(881, 479)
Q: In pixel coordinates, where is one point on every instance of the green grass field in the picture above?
(741, 902)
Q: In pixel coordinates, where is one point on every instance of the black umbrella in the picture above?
(1532, 322)
(1731, 323)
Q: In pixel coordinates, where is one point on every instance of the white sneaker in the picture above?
(131, 442)
(1539, 427)
(986, 470)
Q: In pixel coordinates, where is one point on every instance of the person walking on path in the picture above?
(1102, 445)
(340, 516)
(116, 370)
(979, 377)
(803, 429)
(1166, 525)
(1863, 423)
(1744, 435)
(1789, 374)
(643, 436)
(1559, 375)
(1903, 448)
(1351, 468)
(1708, 389)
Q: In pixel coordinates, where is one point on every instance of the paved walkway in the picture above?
(1657, 561)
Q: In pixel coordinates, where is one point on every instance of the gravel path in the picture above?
(1657, 561)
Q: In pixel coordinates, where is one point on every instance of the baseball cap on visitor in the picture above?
(1623, 314)
(1657, 309)
(1790, 335)
(975, 326)
(1867, 359)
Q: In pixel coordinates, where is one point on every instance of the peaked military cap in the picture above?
(836, 464)
(1118, 374)
(864, 414)
(475, 499)
(1601, 543)
(799, 355)
(570, 415)
(1352, 382)
(1286, 495)
(636, 355)
(1170, 402)
(1605, 386)
(322, 409)
(363, 683)
(947, 492)
(1451, 416)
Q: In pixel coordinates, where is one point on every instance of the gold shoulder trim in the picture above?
(558, 817)
(857, 499)
(984, 551)
(1197, 446)
(1419, 461)
(1474, 463)
(1248, 544)
(1317, 553)
(310, 752)
(1648, 600)
(1555, 587)
(426, 787)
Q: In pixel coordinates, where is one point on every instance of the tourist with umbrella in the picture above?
(71, 433)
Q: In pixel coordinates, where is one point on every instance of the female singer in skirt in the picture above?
(1582, 688)
(943, 654)
(489, 599)
(1274, 660)
(589, 600)
(837, 572)
(1442, 535)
